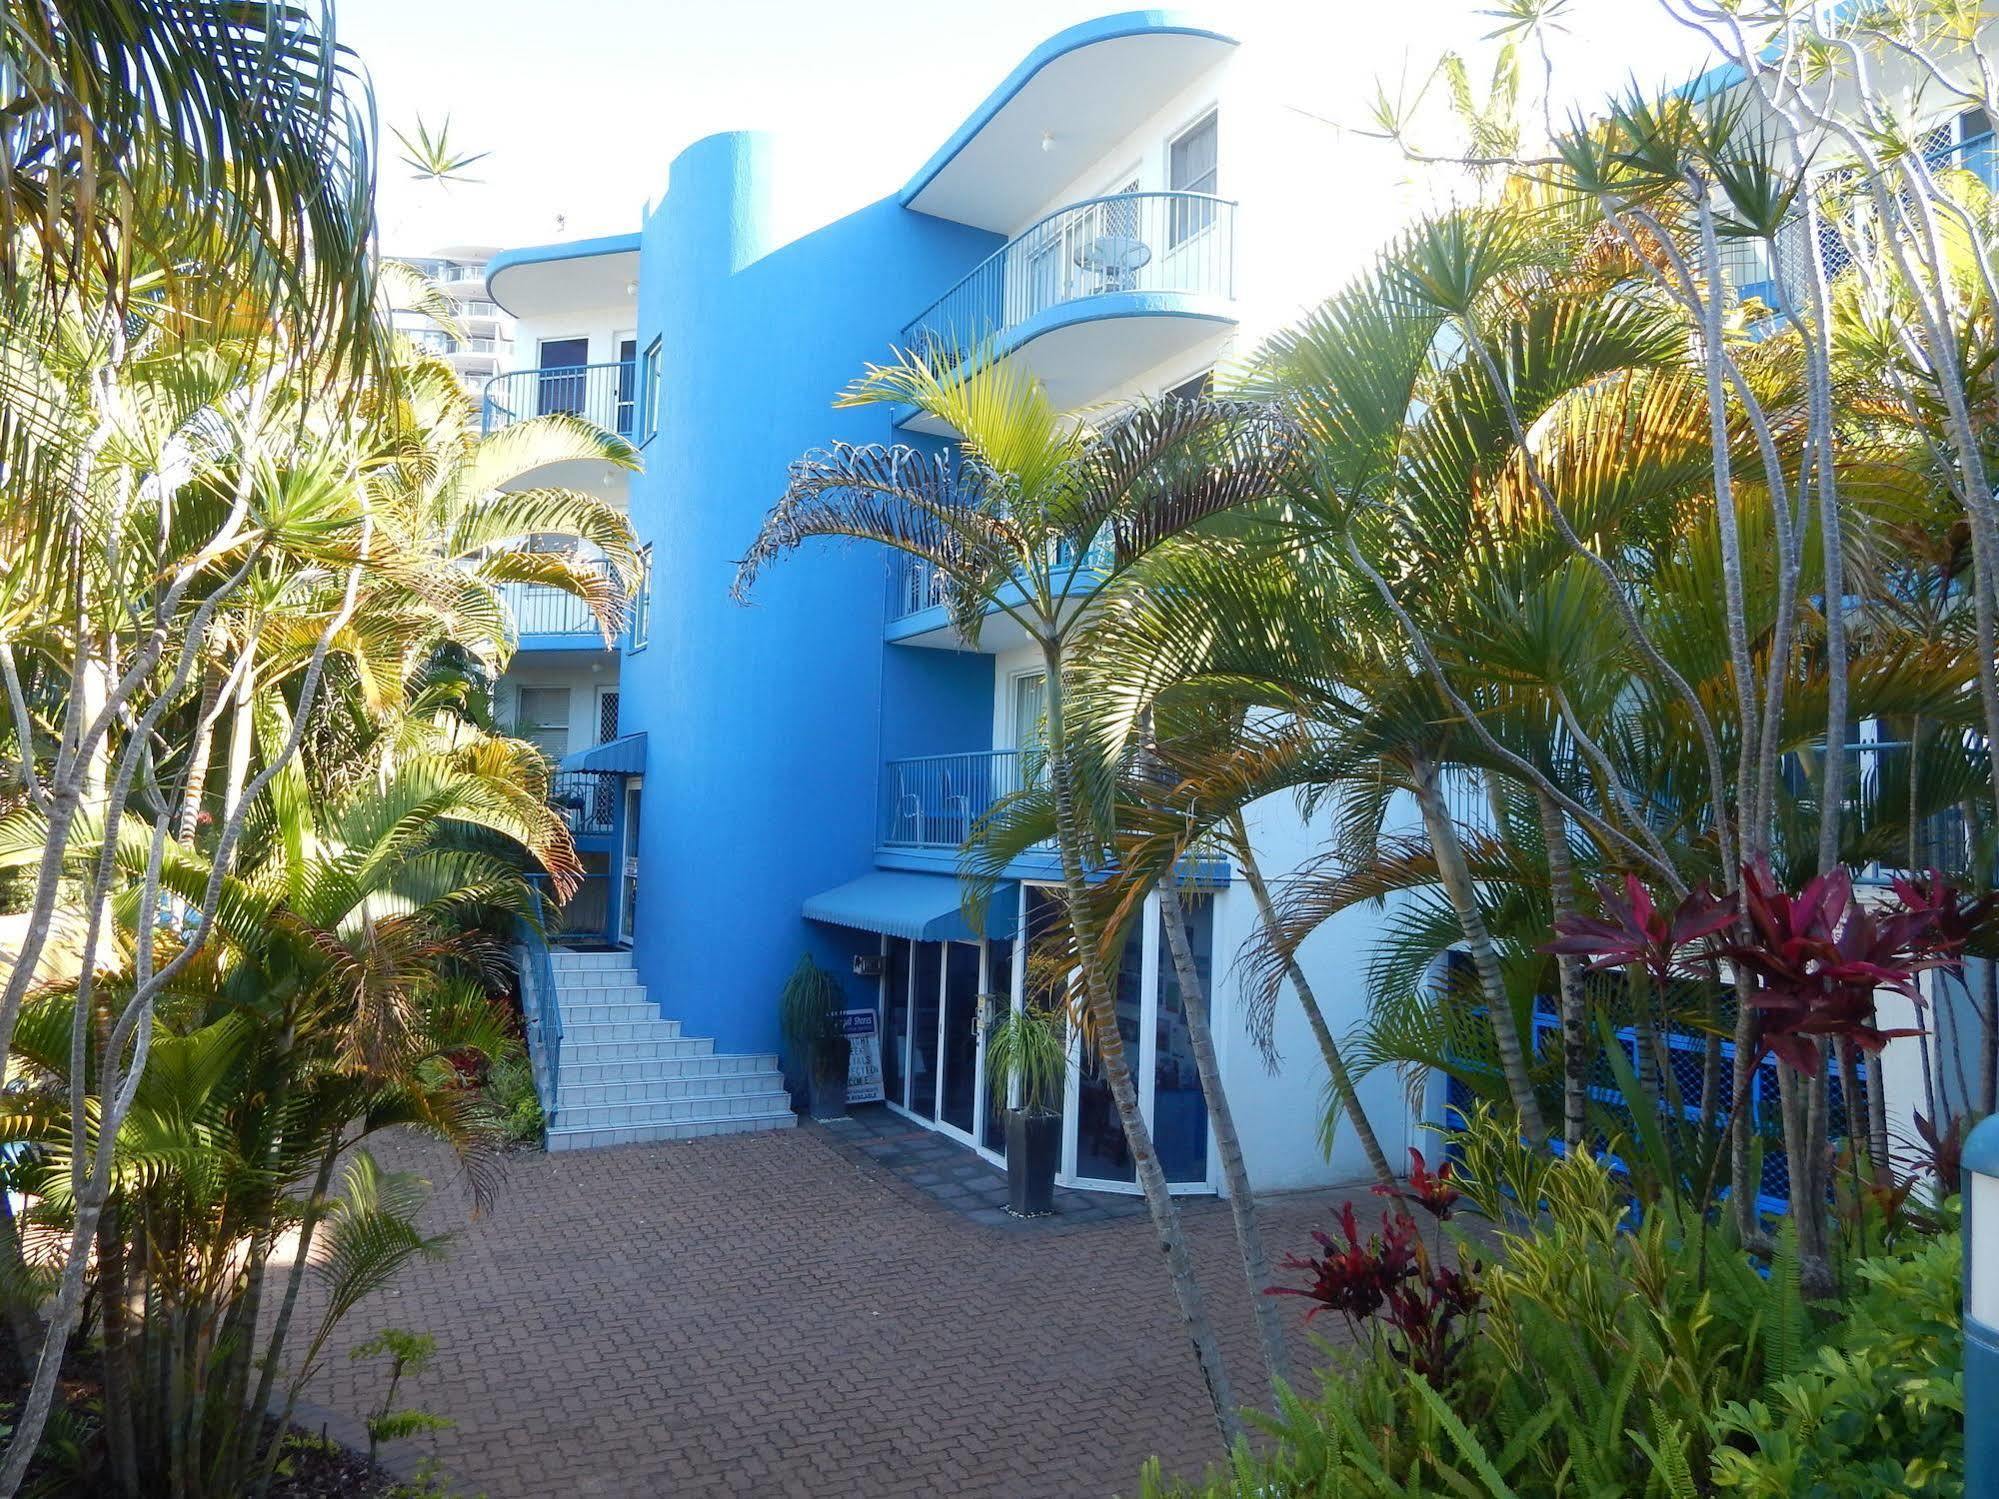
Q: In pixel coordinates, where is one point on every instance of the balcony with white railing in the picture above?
(547, 619)
(1095, 294)
(612, 395)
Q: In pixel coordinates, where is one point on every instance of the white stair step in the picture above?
(598, 989)
(639, 1134)
(575, 1096)
(668, 1110)
(625, 1069)
(606, 1014)
(649, 1049)
(585, 1031)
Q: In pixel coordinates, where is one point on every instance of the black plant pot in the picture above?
(1033, 1148)
(829, 1082)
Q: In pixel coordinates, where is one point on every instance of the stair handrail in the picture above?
(544, 1017)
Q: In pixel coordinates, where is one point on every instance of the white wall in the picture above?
(603, 326)
(1277, 1109)
(584, 673)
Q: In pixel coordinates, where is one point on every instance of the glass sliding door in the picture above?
(895, 1020)
(926, 959)
(1179, 1112)
(958, 1061)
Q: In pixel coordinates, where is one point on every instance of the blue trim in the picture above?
(1085, 34)
(1981, 1148)
(1101, 307)
(569, 640)
(575, 249)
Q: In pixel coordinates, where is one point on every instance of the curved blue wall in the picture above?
(765, 724)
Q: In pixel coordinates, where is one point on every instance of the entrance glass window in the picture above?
(997, 1001)
(895, 1020)
(959, 1055)
(926, 959)
(1102, 1153)
(1179, 1112)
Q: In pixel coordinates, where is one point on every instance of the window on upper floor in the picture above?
(649, 394)
(1193, 166)
(1197, 389)
(542, 718)
(642, 602)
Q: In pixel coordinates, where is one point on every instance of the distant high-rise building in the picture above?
(485, 338)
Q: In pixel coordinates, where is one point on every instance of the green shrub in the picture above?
(1880, 1411)
(1613, 1358)
(510, 1091)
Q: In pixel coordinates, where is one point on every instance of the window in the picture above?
(543, 719)
(607, 716)
(1192, 166)
(642, 601)
(649, 394)
(1199, 388)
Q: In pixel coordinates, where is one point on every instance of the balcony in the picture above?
(547, 619)
(611, 395)
(916, 612)
(1095, 294)
(932, 802)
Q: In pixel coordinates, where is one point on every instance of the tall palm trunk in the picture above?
(1575, 1017)
(1228, 1145)
(1463, 894)
(1102, 1006)
(1329, 1050)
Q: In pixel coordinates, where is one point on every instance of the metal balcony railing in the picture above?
(1128, 242)
(934, 801)
(915, 585)
(611, 395)
(587, 799)
(539, 609)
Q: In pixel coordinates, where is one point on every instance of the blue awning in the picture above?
(921, 907)
(624, 756)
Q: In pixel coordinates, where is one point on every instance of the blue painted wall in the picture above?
(766, 725)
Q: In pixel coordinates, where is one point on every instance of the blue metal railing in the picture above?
(1127, 242)
(541, 1004)
(539, 609)
(610, 395)
(934, 801)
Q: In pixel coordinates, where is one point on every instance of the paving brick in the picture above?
(780, 1313)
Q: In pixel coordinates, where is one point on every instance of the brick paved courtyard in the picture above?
(773, 1315)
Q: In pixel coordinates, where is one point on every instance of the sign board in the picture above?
(864, 1061)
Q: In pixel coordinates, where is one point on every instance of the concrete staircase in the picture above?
(626, 1075)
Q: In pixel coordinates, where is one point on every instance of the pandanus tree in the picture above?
(1034, 517)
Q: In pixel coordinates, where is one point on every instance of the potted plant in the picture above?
(808, 1012)
(1028, 1050)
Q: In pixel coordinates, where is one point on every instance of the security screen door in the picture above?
(560, 387)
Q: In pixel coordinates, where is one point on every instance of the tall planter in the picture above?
(829, 1078)
(1033, 1150)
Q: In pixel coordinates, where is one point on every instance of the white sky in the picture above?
(583, 103)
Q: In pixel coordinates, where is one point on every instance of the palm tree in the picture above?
(341, 986)
(1034, 518)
